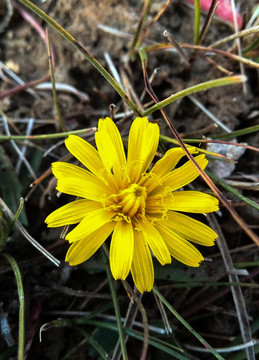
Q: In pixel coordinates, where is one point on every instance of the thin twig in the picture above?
(238, 42)
(209, 17)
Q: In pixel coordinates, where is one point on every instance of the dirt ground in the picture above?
(52, 293)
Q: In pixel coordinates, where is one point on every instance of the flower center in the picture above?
(129, 202)
(132, 200)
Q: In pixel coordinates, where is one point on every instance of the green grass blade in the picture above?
(157, 343)
(232, 190)
(233, 134)
(230, 80)
(197, 16)
(185, 323)
(89, 339)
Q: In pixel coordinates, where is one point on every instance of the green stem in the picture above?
(17, 214)
(193, 89)
(185, 323)
(83, 51)
(18, 278)
(233, 134)
(116, 309)
(48, 136)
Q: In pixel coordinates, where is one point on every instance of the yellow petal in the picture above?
(142, 266)
(82, 188)
(142, 146)
(91, 222)
(121, 250)
(179, 248)
(170, 160)
(85, 153)
(194, 202)
(71, 213)
(62, 169)
(82, 250)
(190, 229)
(181, 176)
(109, 144)
(155, 242)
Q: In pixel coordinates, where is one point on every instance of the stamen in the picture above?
(129, 202)
(150, 181)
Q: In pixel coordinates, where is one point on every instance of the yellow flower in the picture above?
(139, 207)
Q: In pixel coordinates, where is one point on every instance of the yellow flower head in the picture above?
(139, 207)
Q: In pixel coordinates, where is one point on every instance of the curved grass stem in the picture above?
(17, 214)
(18, 278)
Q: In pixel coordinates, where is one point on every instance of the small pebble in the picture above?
(223, 169)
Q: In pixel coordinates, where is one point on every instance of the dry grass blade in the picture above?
(52, 77)
(132, 314)
(135, 41)
(236, 291)
(244, 185)
(23, 87)
(15, 147)
(28, 236)
(209, 17)
(223, 53)
(152, 22)
(159, 47)
(174, 43)
(238, 42)
(129, 89)
(246, 32)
